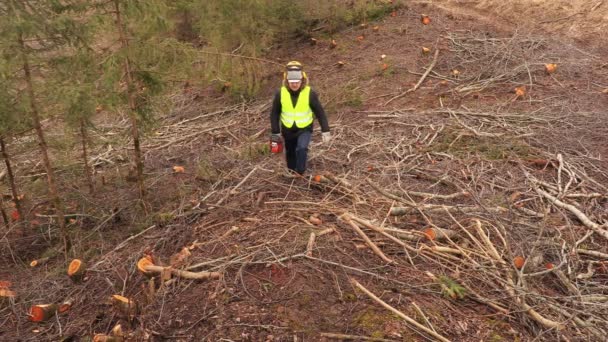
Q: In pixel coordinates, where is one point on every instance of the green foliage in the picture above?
(252, 27)
(252, 150)
(76, 77)
(205, 171)
(34, 34)
(12, 113)
(461, 143)
(154, 57)
(450, 288)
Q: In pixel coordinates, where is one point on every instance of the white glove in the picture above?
(326, 137)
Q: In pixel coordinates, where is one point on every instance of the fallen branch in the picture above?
(399, 313)
(592, 253)
(384, 231)
(574, 210)
(233, 191)
(354, 337)
(573, 290)
(426, 73)
(326, 231)
(183, 274)
(311, 244)
(346, 218)
(439, 234)
(121, 245)
(399, 211)
(438, 196)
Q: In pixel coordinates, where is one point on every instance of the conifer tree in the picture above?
(31, 32)
(77, 76)
(11, 120)
(147, 56)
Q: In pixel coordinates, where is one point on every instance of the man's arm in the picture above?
(275, 114)
(317, 108)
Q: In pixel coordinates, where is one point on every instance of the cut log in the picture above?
(180, 259)
(107, 338)
(434, 233)
(142, 263)
(311, 244)
(65, 306)
(41, 313)
(116, 335)
(183, 274)
(321, 179)
(38, 262)
(315, 220)
(125, 306)
(76, 270)
(7, 297)
(117, 331)
(519, 262)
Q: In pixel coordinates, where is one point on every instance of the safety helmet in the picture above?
(294, 65)
(294, 72)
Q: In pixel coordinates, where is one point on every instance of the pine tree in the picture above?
(30, 33)
(10, 121)
(77, 75)
(146, 58)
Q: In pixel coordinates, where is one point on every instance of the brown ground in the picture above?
(410, 143)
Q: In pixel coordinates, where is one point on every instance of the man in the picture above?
(294, 108)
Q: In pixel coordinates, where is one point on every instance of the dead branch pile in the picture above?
(454, 205)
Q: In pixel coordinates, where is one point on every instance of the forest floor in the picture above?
(438, 177)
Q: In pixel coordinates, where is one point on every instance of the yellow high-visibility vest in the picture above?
(300, 115)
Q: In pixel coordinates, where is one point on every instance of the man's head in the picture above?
(294, 75)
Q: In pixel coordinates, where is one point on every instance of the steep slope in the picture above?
(455, 168)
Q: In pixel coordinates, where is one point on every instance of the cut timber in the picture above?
(320, 179)
(7, 297)
(107, 338)
(598, 229)
(346, 218)
(41, 313)
(76, 270)
(116, 335)
(124, 305)
(38, 262)
(353, 337)
(311, 244)
(143, 262)
(180, 259)
(592, 253)
(117, 331)
(404, 234)
(435, 233)
(338, 180)
(183, 274)
(65, 306)
(408, 319)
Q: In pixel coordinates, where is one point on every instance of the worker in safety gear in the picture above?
(294, 108)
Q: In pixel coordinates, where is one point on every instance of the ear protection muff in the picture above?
(295, 65)
(304, 76)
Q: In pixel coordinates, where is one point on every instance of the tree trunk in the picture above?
(50, 174)
(85, 157)
(11, 179)
(7, 223)
(139, 165)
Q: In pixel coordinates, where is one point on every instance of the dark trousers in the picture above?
(296, 151)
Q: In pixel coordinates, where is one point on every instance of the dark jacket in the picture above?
(294, 132)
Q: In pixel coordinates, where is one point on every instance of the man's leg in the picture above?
(290, 153)
(302, 151)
